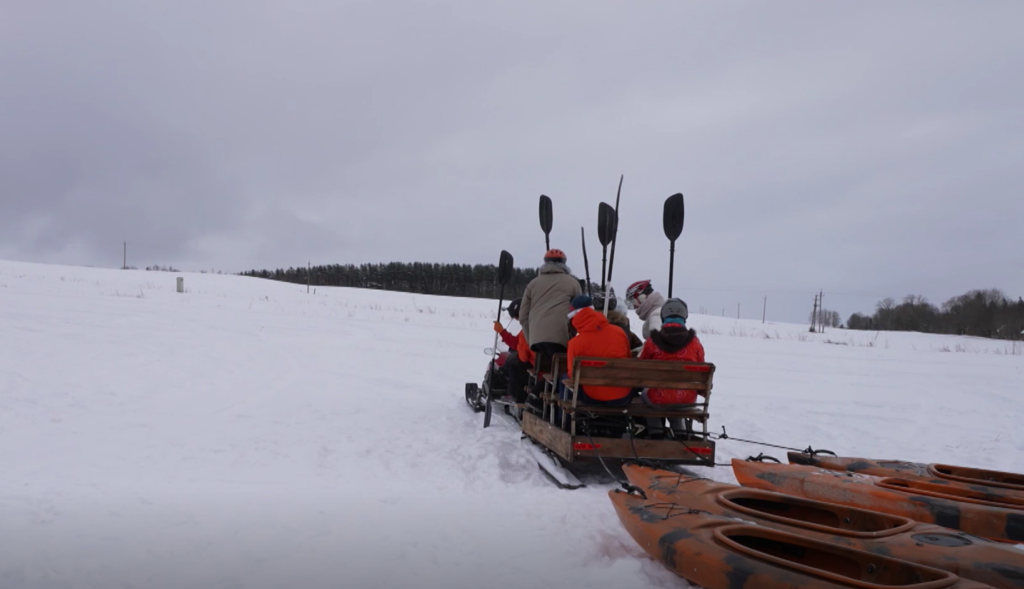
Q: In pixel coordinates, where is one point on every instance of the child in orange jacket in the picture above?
(596, 338)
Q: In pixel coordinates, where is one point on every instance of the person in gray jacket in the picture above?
(647, 302)
(545, 306)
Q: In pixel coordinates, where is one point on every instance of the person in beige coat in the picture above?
(545, 307)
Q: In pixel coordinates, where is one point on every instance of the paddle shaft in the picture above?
(671, 265)
(586, 263)
(501, 300)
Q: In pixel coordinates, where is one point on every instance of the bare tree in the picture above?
(825, 317)
(984, 313)
(883, 313)
(833, 319)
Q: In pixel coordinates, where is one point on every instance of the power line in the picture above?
(795, 292)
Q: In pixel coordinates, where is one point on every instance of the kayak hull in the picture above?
(996, 564)
(996, 483)
(957, 508)
(719, 553)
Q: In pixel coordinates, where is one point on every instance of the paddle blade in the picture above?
(504, 268)
(607, 224)
(673, 216)
(545, 214)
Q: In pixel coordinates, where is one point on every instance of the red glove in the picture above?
(497, 327)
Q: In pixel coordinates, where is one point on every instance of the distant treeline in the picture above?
(982, 313)
(453, 280)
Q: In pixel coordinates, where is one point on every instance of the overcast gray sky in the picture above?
(870, 148)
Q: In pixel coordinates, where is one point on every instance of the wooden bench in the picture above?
(634, 374)
(549, 374)
(562, 438)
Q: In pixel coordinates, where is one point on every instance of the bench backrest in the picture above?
(660, 374)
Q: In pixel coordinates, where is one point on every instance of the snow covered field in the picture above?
(247, 434)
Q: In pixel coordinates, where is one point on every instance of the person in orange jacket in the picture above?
(515, 343)
(675, 342)
(516, 364)
(596, 338)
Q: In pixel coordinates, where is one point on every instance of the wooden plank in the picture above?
(664, 369)
(643, 365)
(701, 366)
(644, 373)
(679, 372)
(549, 436)
(668, 450)
(639, 410)
(558, 362)
(605, 379)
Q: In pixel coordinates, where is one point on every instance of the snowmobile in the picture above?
(493, 390)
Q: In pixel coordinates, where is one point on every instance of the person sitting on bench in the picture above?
(616, 316)
(595, 338)
(672, 341)
(517, 364)
(542, 312)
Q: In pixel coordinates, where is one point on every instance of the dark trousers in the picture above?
(516, 369)
(544, 352)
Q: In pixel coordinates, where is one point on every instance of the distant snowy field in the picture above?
(247, 434)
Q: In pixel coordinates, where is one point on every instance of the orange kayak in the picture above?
(959, 508)
(995, 564)
(1006, 484)
(719, 553)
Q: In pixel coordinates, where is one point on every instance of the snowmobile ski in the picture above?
(473, 397)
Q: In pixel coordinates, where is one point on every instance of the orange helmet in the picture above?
(555, 254)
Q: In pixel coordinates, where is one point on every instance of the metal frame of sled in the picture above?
(568, 438)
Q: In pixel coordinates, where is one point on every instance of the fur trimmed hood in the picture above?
(672, 338)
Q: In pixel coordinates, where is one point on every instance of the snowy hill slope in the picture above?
(247, 434)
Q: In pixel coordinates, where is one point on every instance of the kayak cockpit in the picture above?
(845, 566)
(951, 492)
(805, 513)
(995, 478)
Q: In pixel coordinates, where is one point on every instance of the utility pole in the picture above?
(764, 311)
(814, 316)
(737, 310)
(124, 264)
(821, 307)
(309, 270)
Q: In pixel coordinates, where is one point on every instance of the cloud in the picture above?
(870, 148)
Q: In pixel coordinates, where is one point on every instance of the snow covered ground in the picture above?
(247, 434)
